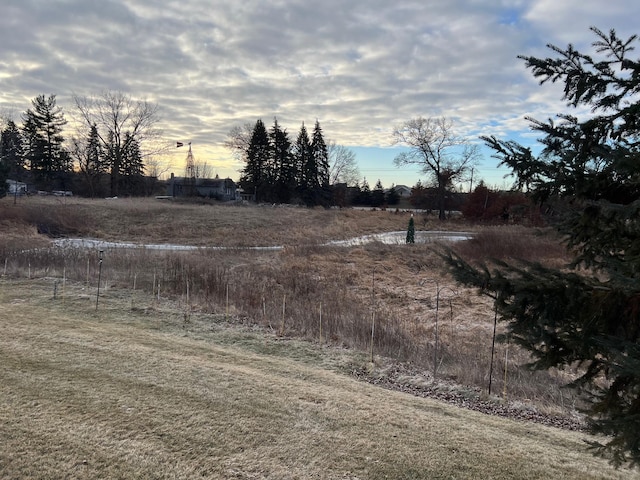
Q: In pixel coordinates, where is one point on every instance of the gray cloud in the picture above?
(360, 67)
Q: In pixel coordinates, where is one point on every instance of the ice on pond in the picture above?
(388, 238)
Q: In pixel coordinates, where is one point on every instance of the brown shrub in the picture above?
(294, 289)
(513, 243)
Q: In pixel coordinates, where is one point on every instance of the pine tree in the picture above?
(91, 160)
(283, 162)
(393, 198)
(588, 313)
(254, 176)
(42, 129)
(4, 175)
(419, 197)
(114, 114)
(34, 148)
(11, 154)
(305, 165)
(320, 154)
(95, 158)
(131, 166)
(411, 231)
(377, 195)
(364, 198)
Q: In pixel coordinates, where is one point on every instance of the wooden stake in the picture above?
(320, 323)
(133, 291)
(284, 303)
(373, 309)
(493, 344)
(187, 314)
(226, 311)
(506, 363)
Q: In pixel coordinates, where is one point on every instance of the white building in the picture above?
(15, 187)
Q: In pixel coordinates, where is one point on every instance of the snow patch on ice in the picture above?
(388, 238)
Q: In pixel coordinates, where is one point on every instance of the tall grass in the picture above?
(514, 243)
(327, 294)
(285, 294)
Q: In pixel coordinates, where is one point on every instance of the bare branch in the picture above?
(343, 165)
(238, 141)
(120, 121)
(433, 145)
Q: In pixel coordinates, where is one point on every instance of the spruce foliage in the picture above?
(588, 313)
(411, 231)
(377, 195)
(281, 172)
(92, 162)
(283, 164)
(307, 168)
(11, 155)
(131, 166)
(393, 197)
(123, 125)
(256, 174)
(42, 132)
(364, 196)
(321, 194)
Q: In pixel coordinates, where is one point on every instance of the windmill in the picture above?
(190, 172)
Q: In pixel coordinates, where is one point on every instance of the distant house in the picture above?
(223, 189)
(403, 191)
(15, 187)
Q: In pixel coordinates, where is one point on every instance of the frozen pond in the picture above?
(398, 238)
(104, 245)
(389, 238)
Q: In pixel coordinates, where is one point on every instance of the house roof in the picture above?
(206, 182)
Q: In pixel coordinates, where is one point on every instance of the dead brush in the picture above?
(512, 243)
(308, 290)
(297, 296)
(58, 219)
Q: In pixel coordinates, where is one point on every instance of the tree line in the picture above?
(281, 171)
(308, 171)
(107, 148)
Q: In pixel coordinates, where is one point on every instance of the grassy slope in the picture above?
(136, 393)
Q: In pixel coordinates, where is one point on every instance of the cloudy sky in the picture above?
(360, 67)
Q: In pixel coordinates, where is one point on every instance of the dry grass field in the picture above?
(239, 363)
(146, 220)
(139, 393)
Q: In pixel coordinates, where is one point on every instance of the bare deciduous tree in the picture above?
(204, 170)
(435, 147)
(343, 167)
(120, 120)
(238, 141)
(89, 158)
(156, 168)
